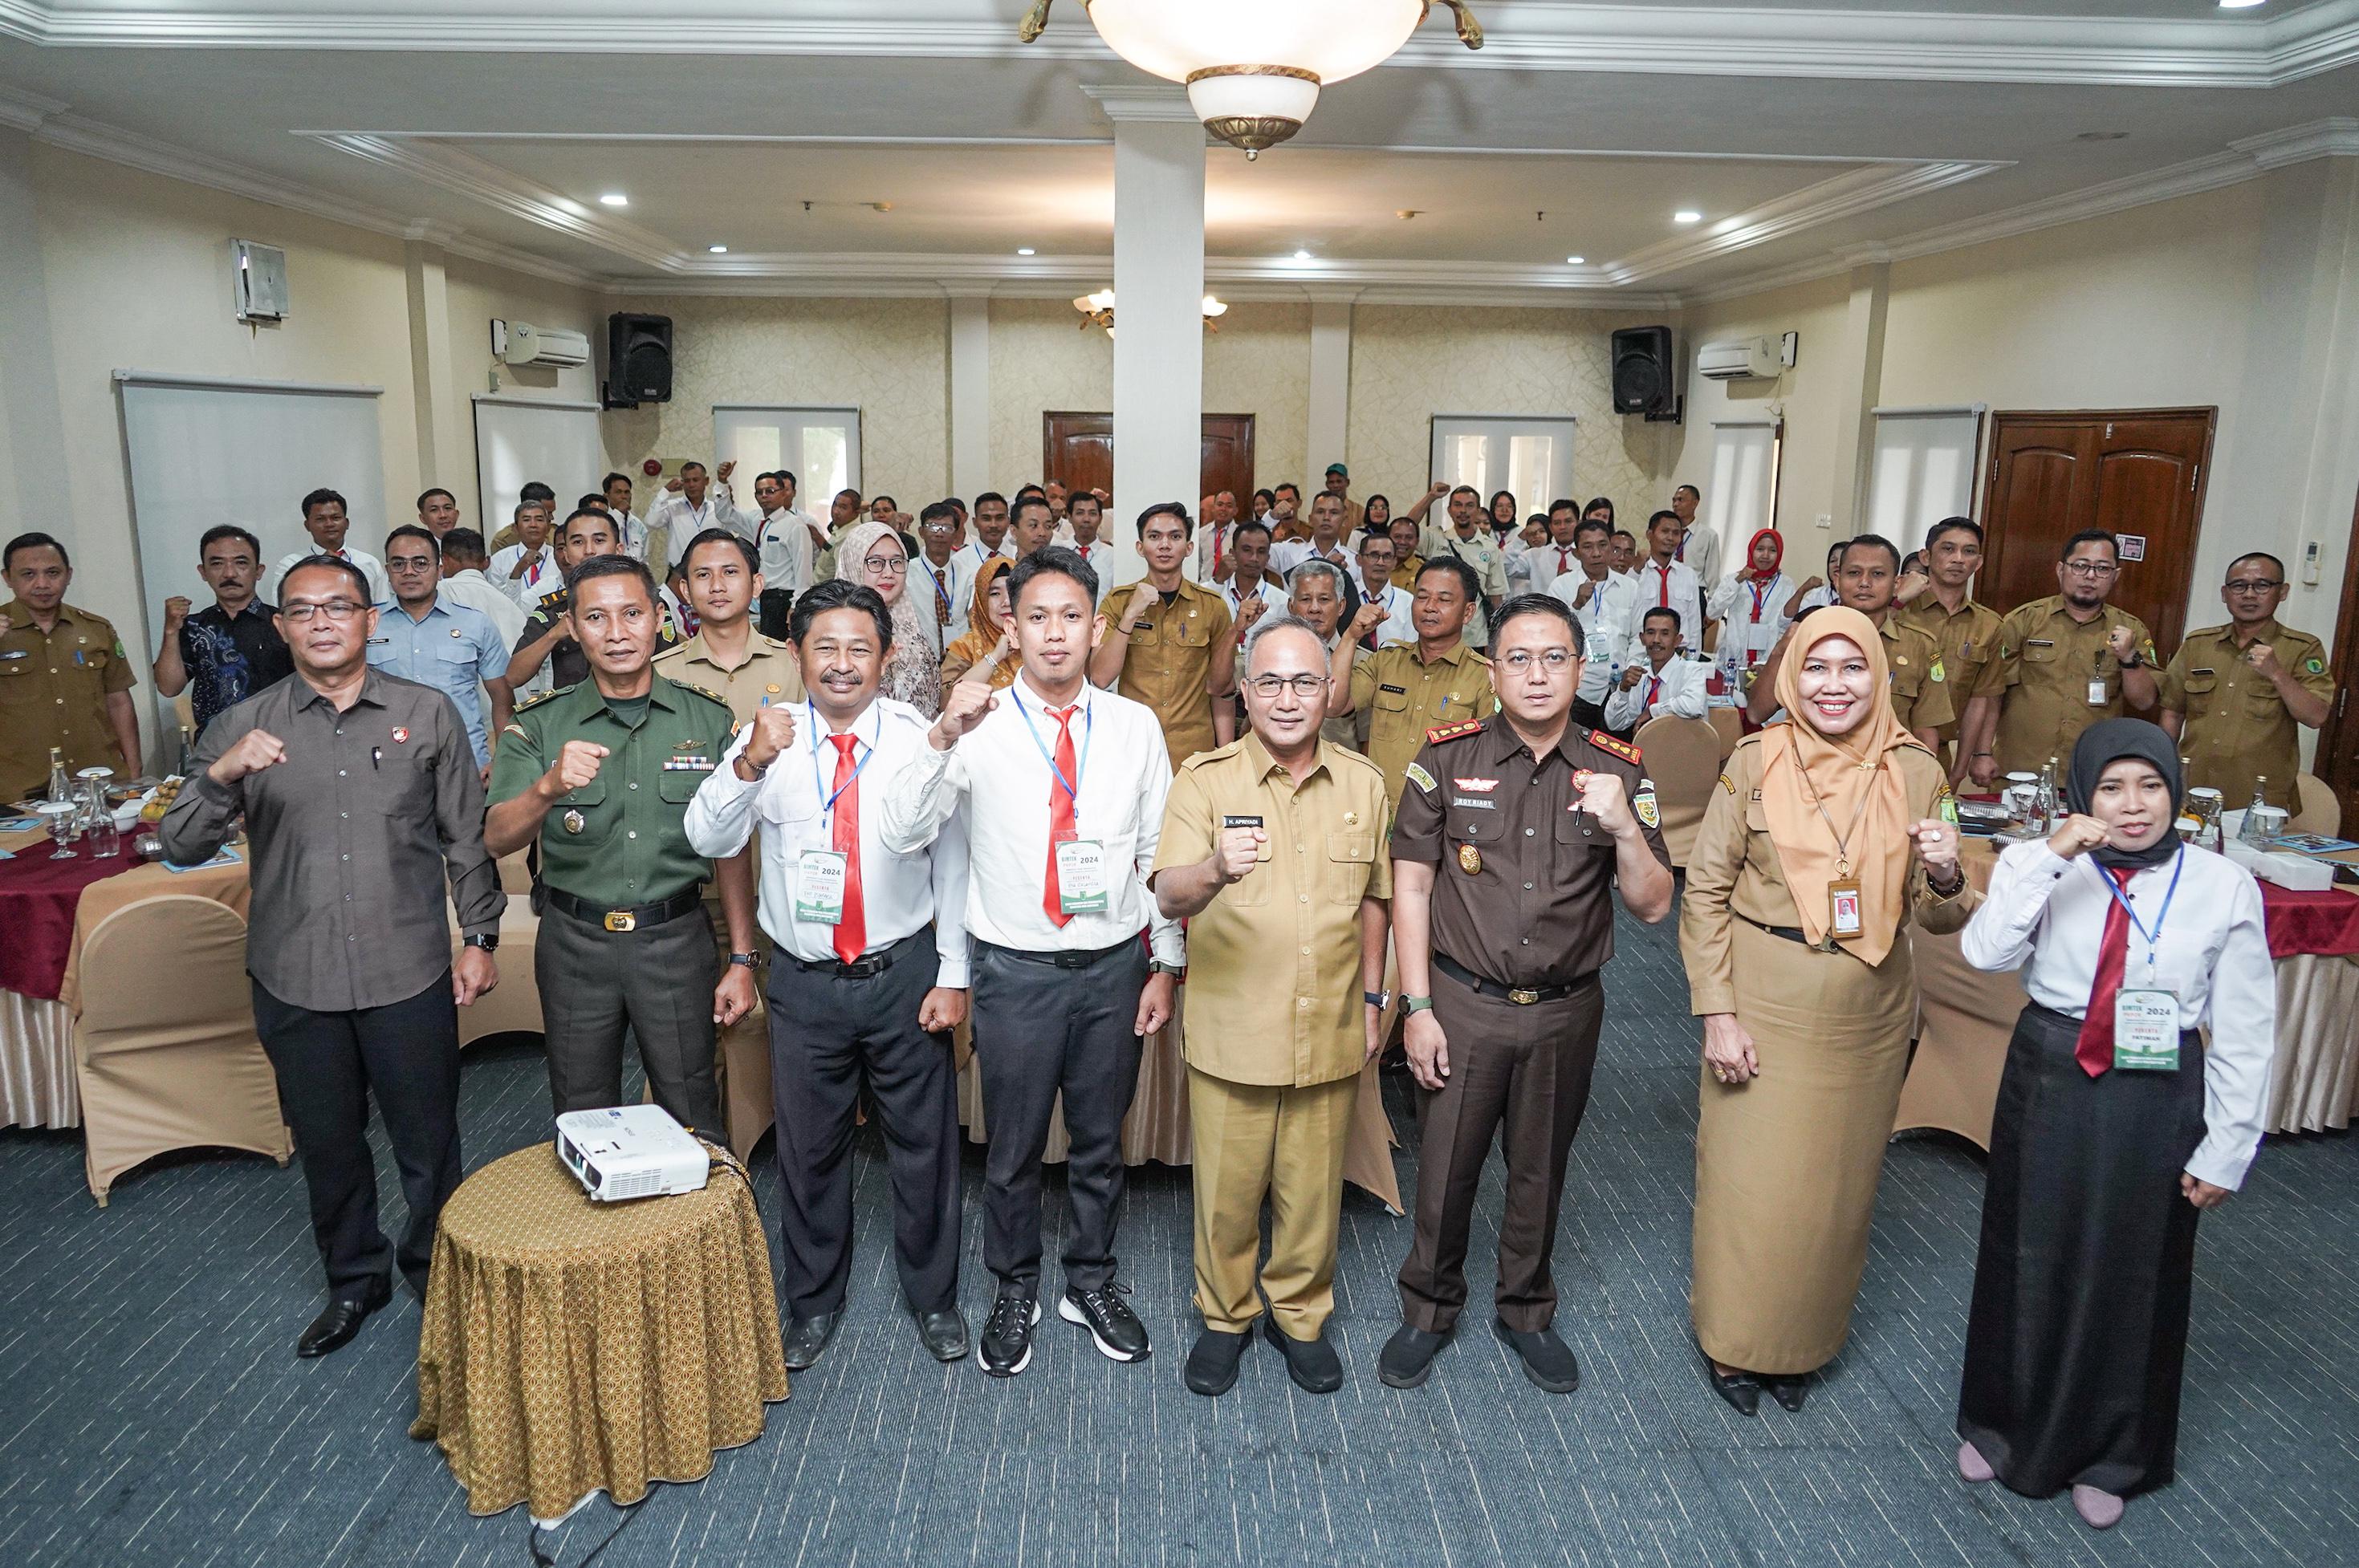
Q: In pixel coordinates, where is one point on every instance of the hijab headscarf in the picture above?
(983, 633)
(1774, 537)
(911, 673)
(1856, 779)
(2102, 745)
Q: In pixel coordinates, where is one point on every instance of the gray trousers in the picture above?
(658, 983)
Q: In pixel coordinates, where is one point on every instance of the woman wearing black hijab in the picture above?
(2115, 1127)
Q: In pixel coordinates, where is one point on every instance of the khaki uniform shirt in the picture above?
(53, 692)
(1921, 685)
(2238, 728)
(770, 675)
(1168, 664)
(1397, 698)
(1523, 884)
(620, 840)
(2049, 659)
(1733, 873)
(1274, 993)
(1490, 565)
(1968, 645)
(1404, 574)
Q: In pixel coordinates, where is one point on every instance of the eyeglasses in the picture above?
(1302, 685)
(2251, 585)
(886, 566)
(336, 610)
(2091, 568)
(1555, 661)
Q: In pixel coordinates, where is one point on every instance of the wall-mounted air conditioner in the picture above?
(521, 343)
(1737, 357)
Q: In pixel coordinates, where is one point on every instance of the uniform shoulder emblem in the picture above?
(1935, 671)
(1419, 777)
(1725, 785)
(1453, 732)
(1205, 759)
(532, 702)
(1613, 748)
(705, 692)
(1479, 657)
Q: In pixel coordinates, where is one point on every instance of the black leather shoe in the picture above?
(1119, 1334)
(1408, 1358)
(943, 1334)
(1789, 1392)
(806, 1336)
(1545, 1360)
(1311, 1363)
(1213, 1361)
(1740, 1390)
(334, 1327)
(1007, 1332)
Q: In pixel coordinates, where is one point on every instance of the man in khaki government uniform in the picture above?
(1868, 570)
(1465, 537)
(1168, 642)
(2071, 659)
(1403, 692)
(1965, 634)
(2235, 695)
(65, 684)
(1273, 850)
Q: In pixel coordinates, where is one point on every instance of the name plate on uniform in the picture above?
(1842, 907)
(2145, 1031)
(2096, 691)
(818, 887)
(1082, 877)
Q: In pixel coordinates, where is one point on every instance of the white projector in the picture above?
(630, 1152)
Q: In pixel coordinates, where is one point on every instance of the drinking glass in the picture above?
(63, 819)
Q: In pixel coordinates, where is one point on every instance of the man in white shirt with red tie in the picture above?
(325, 519)
(1060, 788)
(1666, 582)
(1665, 681)
(1248, 575)
(1699, 547)
(783, 538)
(1561, 554)
(1084, 516)
(869, 972)
(1604, 601)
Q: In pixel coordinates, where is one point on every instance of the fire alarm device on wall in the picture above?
(259, 281)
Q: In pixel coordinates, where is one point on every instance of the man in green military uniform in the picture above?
(1407, 690)
(2072, 659)
(65, 684)
(2235, 695)
(599, 777)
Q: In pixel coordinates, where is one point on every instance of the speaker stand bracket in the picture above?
(1677, 415)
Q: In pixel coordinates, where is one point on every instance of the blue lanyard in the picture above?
(827, 801)
(934, 577)
(2153, 938)
(1072, 786)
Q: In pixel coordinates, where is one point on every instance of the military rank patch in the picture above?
(1612, 747)
(2315, 666)
(1642, 803)
(537, 701)
(1729, 788)
(1453, 732)
(1420, 778)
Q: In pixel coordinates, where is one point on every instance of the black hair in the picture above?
(989, 495)
(1591, 526)
(1387, 500)
(1950, 525)
(593, 502)
(1077, 497)
(837, 593)
(426, 495)
(608, 482)
(597, 567)
(2263, 556)
(887, 500)
(323, 497)
(722, 536)
(1026, 502)
(1058, 561)
(330, 563)
(1664, 610)
(2092, 536)
(840, 495)
(1237, 530)
(692, 463)
(1372, 538)
(536, 490)
(1268, 495)
(1468, 583)
(782, 476)
(1658, 516)
(465, 543)
(1689, 489)
(37, 541)
(1024, 490)
(1286, 485)
(221, 530)
(605, 517)
(1166, 509)
(1596, 501)
(1462, 490)
(1567, 504)
(413, 531)
(1878, 542)
(936, 510)
(1546, 604)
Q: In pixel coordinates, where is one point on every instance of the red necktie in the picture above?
(1654, 689)
(1663, 580)
(2094, 1049)
(1563, 563)
(1061, 829)
(852, 931)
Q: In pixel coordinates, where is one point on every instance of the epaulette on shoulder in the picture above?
(705, 692)
(1453, 732)
(1480, 656)
(532, 702)
(1612, 747)
(1205, 759)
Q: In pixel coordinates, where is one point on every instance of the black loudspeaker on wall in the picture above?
(1644, 377)
(638, 360)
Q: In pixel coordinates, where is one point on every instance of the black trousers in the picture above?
(827, 1033)
(774, 610)
(656, 981)
(1040, 1031)
(328, 1064)
(1587, 714)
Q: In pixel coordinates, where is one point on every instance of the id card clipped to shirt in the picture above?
(818, 887)
(2145, 1030)
(1082, 877)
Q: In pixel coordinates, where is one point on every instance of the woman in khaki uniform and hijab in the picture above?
(1830, 831)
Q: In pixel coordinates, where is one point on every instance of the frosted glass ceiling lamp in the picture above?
(1253, 68)
(1097, 310)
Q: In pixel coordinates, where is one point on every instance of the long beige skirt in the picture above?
(1787, 1164)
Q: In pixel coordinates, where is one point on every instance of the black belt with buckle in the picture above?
(1522, 995)
(1790, 933)
(861, 969)
(1059, 959)
(637, 918)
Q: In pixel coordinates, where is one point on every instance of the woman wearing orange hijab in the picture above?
(1828, 833)
(986, 622)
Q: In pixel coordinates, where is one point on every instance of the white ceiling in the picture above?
(1806, 133)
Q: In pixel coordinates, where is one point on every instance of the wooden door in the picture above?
(2337, 761)
(2136, 473)
(1078, 450)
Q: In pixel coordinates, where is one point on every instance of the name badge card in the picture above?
(1082, 877)
(2096, 691)
(1842, 907)
(2145, 1031)
(818, 887)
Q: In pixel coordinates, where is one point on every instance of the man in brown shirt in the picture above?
(360, 798)
(1272, 851)
(1510, 838)
(2068, 660)
(1399, 692)
(1167, 641)
(1965, 634)
(65, 683)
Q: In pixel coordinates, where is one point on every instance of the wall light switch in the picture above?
(1826, 519)
(2310, 554)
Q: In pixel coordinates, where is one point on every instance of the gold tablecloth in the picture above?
(571, 1346)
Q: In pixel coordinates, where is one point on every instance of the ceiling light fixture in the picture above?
(614, 199)
(718, 250)
(1687, 216)
(1302, 256)
(1574, 261)
(2238, 5)
(1253, 68)
(1097, 310)
(1024, 250)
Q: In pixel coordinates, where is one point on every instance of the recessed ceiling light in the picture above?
(718, 250)
(2238, 5)
(2101, 135)
(1574, 261)
(1024, 250)
(1687, 216)
(1302, 256)
(614, 199)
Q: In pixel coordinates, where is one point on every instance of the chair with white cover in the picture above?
(2321, 810)
(1682, 756)
(164, 1050)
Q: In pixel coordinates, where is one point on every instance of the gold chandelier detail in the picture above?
(1097, 310)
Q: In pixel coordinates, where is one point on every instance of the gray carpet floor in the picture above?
(151, 1409)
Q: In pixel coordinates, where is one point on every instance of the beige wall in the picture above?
(476, 296)
(1808, 396)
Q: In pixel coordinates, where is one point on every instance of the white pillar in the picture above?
(1330, 386)
(970, 397)
(1862, 368)
(446, 438)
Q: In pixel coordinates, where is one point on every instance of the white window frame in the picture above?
(811, 493)
(1743, 498)
(1923, 465)
(1503, 428)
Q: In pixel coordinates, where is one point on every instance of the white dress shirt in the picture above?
(937, 589)
(997, 780)
(1685, 594)
(1699, 550)
(1818, 598)
(902, 890)
(1212, 546)
(782, 539)
(672, 510)
(1268, 589)
(1744, 641)
(478, 592)
(633, 531)
(1551, 561)
(1398, 628)
(545, 576)
(1677, 688)
(1100, 556)
(1284, 558)
(1604, 625)
(380, 587)
(2214, 953)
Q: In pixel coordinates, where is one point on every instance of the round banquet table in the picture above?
(37, 897)
(572, 1346)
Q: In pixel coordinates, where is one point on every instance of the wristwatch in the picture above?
(745, 961)
(488, 943)
(1416, 1004)
(1158, 967)
(1376, 999)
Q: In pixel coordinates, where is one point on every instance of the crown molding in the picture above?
(462, 174)
(2334, 137)
(1844, 196)
(1125, 104)
(23, 110)
(2208, 50)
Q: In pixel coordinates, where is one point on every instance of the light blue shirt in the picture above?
(453, 650)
